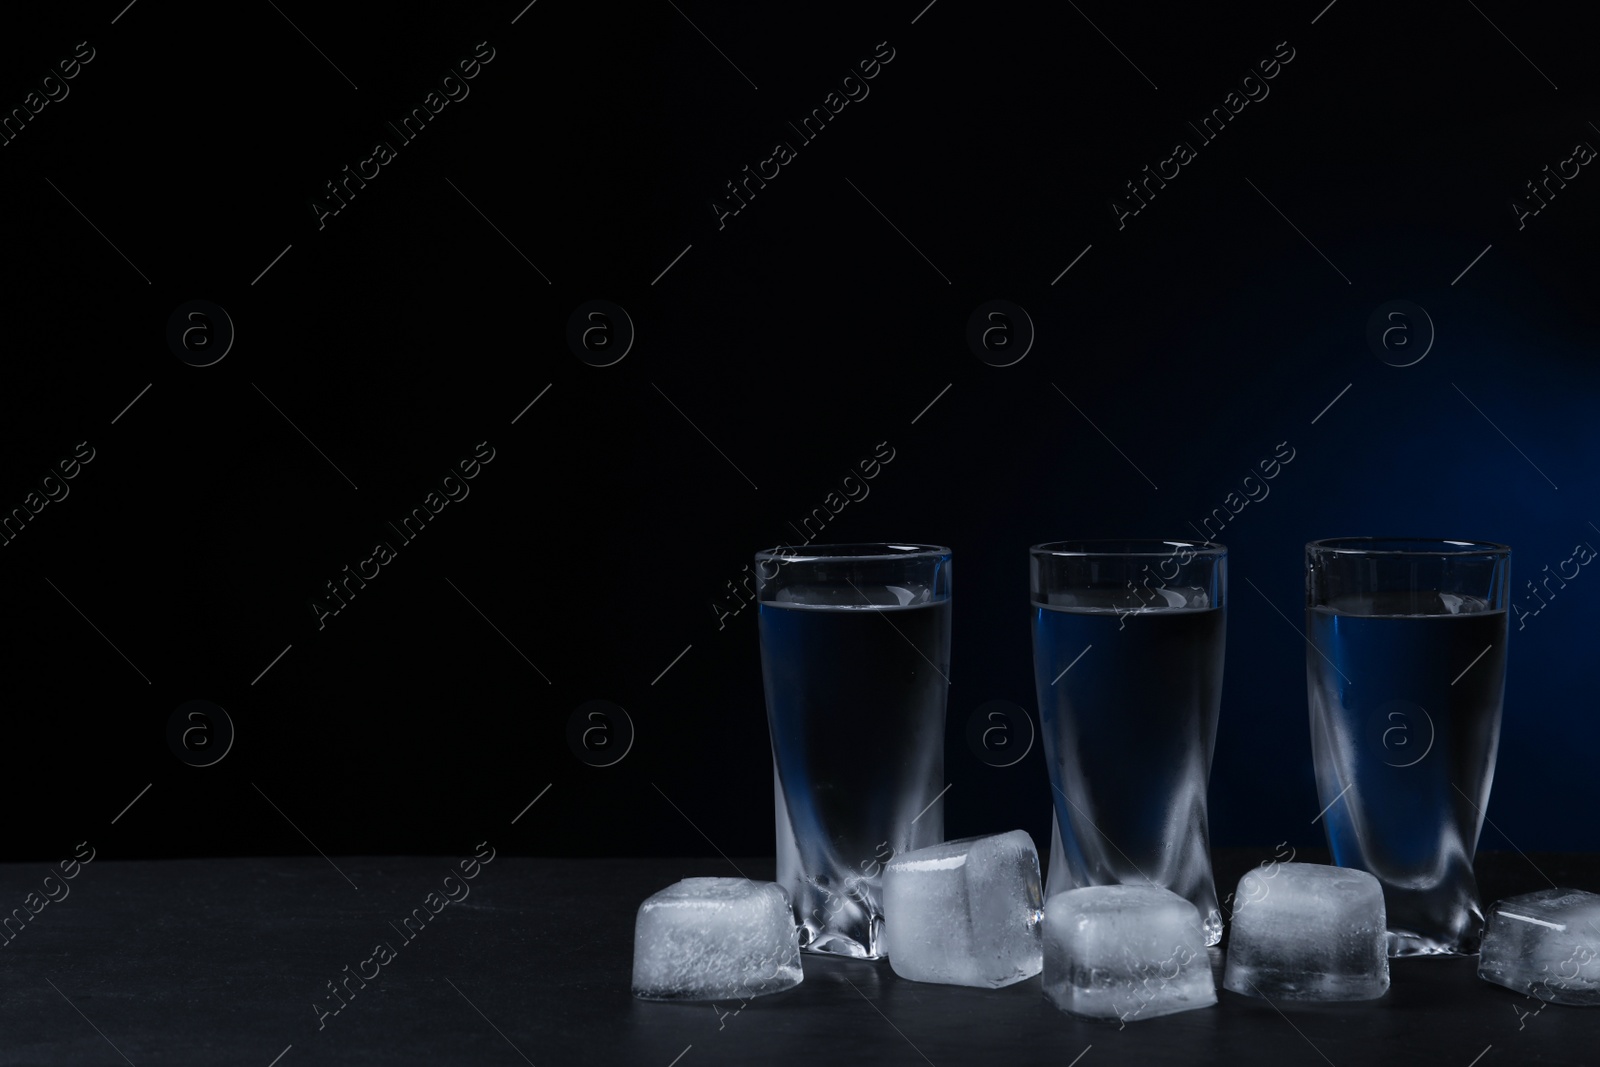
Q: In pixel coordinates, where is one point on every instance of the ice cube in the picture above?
(715, 939)
(965, 912)
(1125, 952)
(1307, 931)
(1545, 944)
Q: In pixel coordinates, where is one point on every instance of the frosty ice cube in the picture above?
(965, 912)
(1307, 931)
(1545, 944)
(715, 939)
(1125, 952)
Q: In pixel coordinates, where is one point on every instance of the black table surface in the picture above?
(229, 962)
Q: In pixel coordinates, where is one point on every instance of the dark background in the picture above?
(771, 356)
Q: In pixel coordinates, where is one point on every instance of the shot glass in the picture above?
(1405, 676)
(855, 659)
(1128, 641)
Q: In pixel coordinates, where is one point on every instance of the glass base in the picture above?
(1441, 920)
(826, 942)
(1406, 943)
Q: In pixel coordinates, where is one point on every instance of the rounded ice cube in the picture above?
(715, 939)
(1125, 952)
(965, 912)
(1545, 944)
(1308, 931)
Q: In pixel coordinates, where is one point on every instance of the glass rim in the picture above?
(1127, 548)
(867, 551)
(1402, 547)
